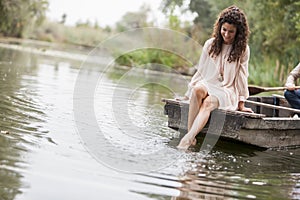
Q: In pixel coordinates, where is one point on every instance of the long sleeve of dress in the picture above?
(242, 76)
(293, 76)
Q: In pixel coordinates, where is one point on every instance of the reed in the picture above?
(268, 72)
(56, 32)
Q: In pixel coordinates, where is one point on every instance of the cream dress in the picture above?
(234, 86)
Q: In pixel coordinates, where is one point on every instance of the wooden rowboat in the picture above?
(271, 126)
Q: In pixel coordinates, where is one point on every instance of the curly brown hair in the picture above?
(231, 15)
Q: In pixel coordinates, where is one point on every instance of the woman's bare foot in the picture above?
(186, 142)
(194, 142)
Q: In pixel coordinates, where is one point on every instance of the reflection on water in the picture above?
(21, 116)
(43, 156)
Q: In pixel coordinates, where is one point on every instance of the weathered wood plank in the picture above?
(270, 138)
(276, 123)
(246, 114)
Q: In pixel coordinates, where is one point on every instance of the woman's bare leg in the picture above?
(198, 94)
(209, 104)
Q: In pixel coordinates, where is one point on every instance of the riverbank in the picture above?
(268, 73)
(80, 53)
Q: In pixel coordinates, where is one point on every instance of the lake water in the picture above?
(92, 131)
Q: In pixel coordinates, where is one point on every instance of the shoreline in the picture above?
(80, 54)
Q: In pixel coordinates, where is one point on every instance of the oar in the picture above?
(257, 89)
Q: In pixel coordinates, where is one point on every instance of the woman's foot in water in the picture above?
(186, 142)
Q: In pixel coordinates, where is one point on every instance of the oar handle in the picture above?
(278, 88)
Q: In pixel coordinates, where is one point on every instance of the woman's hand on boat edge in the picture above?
(243, 108)
(184, 98)
(246, 109)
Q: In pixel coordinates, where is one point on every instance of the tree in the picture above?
(63, 18)
(277, 32)
(274, 24)
(203, 21)
(134, 19)
(17, 15)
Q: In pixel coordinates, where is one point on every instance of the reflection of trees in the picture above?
(241, 172)
(222, 187)
(10, 183)
(158, 84)
(195, 188)
(18, 110)
(230, 171)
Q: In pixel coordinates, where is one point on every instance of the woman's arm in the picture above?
(293, 76)
(242, 81)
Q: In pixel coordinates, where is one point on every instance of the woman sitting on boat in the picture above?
(291, 94)
(221, 80)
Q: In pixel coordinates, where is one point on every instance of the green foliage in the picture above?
(174, 22)
(267, 72)
(275, 33)
(275, 39)
(18, 15)
(143, 57)
(174, 50)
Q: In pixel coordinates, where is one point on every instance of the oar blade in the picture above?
(253, 90)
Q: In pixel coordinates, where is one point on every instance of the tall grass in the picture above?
(268, 72)
(56, 32)
(167, 48)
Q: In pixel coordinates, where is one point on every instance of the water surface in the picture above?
(45, 156)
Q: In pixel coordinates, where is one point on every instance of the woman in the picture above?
(222, 72)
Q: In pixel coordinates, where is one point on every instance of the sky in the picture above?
(105, 12)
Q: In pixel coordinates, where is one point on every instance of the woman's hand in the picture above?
(246, 109)
(184, 98)
(290, 87)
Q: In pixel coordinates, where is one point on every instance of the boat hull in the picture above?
(267, 128)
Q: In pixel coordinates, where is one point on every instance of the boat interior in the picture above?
(271, 106)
